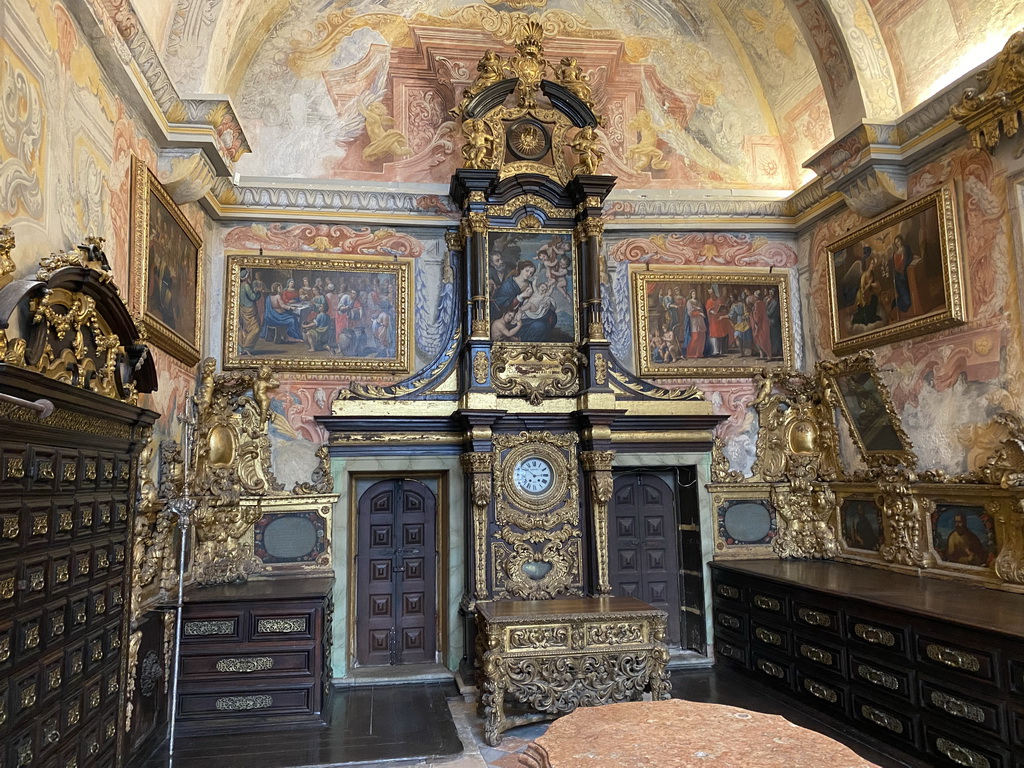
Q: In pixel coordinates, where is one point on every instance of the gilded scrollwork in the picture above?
(1001, 98)
(522, 570)
(528, 65)
(598, 467)
(806, 517)
(721, 470)
(7, 243)
(1009, 564)
(322, 480)
(903, 512)
(478, 467)
(535, 371)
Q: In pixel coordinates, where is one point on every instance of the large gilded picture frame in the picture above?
(858, 391)
(897, 277)
(968, 526)
(701, 323)
(298, 312)
(746, 521)
(166, 268)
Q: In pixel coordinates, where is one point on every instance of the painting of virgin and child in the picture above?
(309, 313)
(531, 287)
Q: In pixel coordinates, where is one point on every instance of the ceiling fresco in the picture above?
(697, 94)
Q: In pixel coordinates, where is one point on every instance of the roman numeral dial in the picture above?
(533, 475)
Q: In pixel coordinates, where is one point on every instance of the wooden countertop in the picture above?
(947, 600)
(280, 588)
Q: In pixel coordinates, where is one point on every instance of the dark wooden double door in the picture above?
(655, 550)
(396, 600)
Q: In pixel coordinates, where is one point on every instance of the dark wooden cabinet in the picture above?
(67, 490)
(254, 654)
(934, 667)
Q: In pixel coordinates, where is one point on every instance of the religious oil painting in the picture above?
(746, 520)
(296, 312)
(726, 323)
(861, 523)
(897, 277)
(166, 281)
(964, 534)
(864, 401)
(531, 286)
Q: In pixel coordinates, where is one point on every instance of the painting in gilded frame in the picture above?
(297, 312)
(166, 263)
(726, 323)
(860, 524)
(964, 533)
(746, 522)
(291, 533)
(897, 277)
(531, 287)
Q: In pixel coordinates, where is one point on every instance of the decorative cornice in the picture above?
(997, 109)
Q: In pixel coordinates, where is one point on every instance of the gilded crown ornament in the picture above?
(529, 65)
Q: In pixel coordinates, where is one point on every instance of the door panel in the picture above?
(643, 553)
(396, 616)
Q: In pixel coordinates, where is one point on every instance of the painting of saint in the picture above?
(866, 411)
(964, 535)
(862, 524)
(693, 325)
(311, 313)
(531, 287)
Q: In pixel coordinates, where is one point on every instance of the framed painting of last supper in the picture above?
(897, 277)
(294, 312)
(726, 323)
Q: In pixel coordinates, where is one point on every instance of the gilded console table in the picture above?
(552, 656)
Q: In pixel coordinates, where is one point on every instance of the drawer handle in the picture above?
(25, 756)
(730, 651)
(953, 658)
(772, 638)
(884, 719)
(771, 669)
(255, 664)
(961, 755)
(728, 621)
(878, 677)
(243, 703)
(814, 618)
(730, 592)
(958, 707)
(816, 654)
(52, 737)
(282, 626)
(875, 635)
(205, 628)
(819, 691)
(767, 603)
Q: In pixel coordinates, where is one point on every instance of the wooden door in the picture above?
(396, 602)
(643, 550)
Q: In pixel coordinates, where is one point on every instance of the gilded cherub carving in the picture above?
(574, 79)
(585, 145)
(478, 151)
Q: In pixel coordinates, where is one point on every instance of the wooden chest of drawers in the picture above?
(934, 667)
(255, 653)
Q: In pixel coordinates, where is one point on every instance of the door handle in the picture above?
(398, 570)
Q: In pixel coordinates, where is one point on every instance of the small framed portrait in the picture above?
(293, 532)
(897, 277)
(745, 520)
(296, 312)
(166, 268)
(864, 401)
(726, 323)
(860, 524)
(964, 533)
(531, 287)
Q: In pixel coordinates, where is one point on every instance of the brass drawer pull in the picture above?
(816, 654)
(243, 703)
(819, 691)
(204, 628)
(771, 669)
(282, 626)
(730, 592)
(814, 618)
(767, 603)
(730, 651)
(728, 621)
(953, 658)
(961, 755)
(878, 677)
(25, 756)
(772, 638)
(870, 634)
(958, 707)
(884, 719)
(255, 664)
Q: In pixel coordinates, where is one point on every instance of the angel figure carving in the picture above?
(478, 151)
(491, 71)
(585, 145)
(574, 79)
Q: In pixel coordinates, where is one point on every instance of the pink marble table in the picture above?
(682, 734)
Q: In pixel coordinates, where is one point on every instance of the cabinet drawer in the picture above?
(736, 652)
(730, 593)
(242, 665)
(963, 709)
(241, 704)
(819, 655)
(731, 622)
(210, 629)
(268, 626)
(949, 657)
(771, 637)
(827, 696)
(879, 636)
(882, 678)
(820, 619)
(885, 721)
(766, 603)
(772, 670)
(952, 748)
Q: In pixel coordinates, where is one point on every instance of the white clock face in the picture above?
(533, 475)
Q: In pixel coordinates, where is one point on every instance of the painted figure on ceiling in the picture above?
(385, 139)
(645, 152)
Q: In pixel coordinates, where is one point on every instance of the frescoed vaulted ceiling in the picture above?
(696, 94)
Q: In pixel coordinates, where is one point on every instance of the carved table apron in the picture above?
(553, 656)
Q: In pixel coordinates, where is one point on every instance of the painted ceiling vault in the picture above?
(696, 94)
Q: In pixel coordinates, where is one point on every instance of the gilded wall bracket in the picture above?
(598, 467)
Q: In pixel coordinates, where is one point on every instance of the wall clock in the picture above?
(533, 475)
